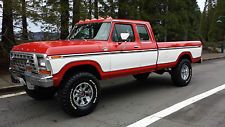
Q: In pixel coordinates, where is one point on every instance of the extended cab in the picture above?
(95, 50)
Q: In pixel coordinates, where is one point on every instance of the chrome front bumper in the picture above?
(31, 80)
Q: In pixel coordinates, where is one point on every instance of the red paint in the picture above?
(104, 75)
(107, 75)
(58, 77)
(166, 65)
(197, 60)
(126, 72)
(61, 47)
(66, 47)
(179, 44)
(173, 64)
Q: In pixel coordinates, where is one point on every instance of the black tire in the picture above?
(141, 77)
(66, 94)
(40, 93)
(176, 73)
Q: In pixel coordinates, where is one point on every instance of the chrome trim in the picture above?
(173, 48)
(120, 52)
(185, 72)
(20, 60)
(31, 78)
(39, 80)
(30, 53)
(108, 53)
(36, 55)
(82, 94)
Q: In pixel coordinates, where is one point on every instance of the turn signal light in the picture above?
(56, 57)
(44, 72)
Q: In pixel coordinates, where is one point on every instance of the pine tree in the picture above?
(207, 19)
(112, 7)
(96, 9)
(217, 28)
(90, 9)
(122, 9)
(76, 11)
(8, 38)
(64, 10)
(24, 21)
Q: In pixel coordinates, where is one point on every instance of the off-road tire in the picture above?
(176, 73)
(66, 94)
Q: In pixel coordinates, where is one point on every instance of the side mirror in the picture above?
(124, 36)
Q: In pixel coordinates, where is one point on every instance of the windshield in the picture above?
(93, 31)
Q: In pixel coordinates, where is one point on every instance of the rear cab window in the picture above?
(143, 33)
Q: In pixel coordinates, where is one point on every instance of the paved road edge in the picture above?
(10, 89)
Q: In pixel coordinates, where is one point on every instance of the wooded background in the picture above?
(172, 20)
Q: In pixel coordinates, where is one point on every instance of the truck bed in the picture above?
(170, 52)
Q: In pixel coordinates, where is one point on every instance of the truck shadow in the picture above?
(128, 86)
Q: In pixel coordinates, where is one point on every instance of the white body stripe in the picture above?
(133, 60)
(125, 61)
(102, 60)
(148, 58)
(120, 61)
(167, 56)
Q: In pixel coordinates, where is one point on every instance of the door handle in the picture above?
(136, 47)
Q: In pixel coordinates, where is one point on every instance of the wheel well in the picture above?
(185, 56)
(82, 68)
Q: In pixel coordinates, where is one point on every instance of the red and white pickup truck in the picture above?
(95, 50)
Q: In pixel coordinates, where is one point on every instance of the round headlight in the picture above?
(42, 62)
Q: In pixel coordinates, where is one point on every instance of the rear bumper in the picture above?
(32, 80)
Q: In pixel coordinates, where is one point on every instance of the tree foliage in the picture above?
(213, 21)
(216, 30)
(171, 19)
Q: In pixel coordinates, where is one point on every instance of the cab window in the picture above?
(123, 28)
(143, 33)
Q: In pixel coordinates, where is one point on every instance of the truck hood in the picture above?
(60, 47)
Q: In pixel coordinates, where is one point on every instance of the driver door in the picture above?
(126, 46)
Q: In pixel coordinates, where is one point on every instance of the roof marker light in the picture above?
(99, 17)
(81, 21)
(109, 17)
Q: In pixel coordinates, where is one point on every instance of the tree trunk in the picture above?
(76, 11)
(64, 10)
(112, 8)
(96, 9)
(8, 38)
(122, 11)
(24, 21)
(90, 10)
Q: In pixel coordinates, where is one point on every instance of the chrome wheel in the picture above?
(185, 72)
(82, 94)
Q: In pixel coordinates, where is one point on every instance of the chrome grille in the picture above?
(19, 61)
